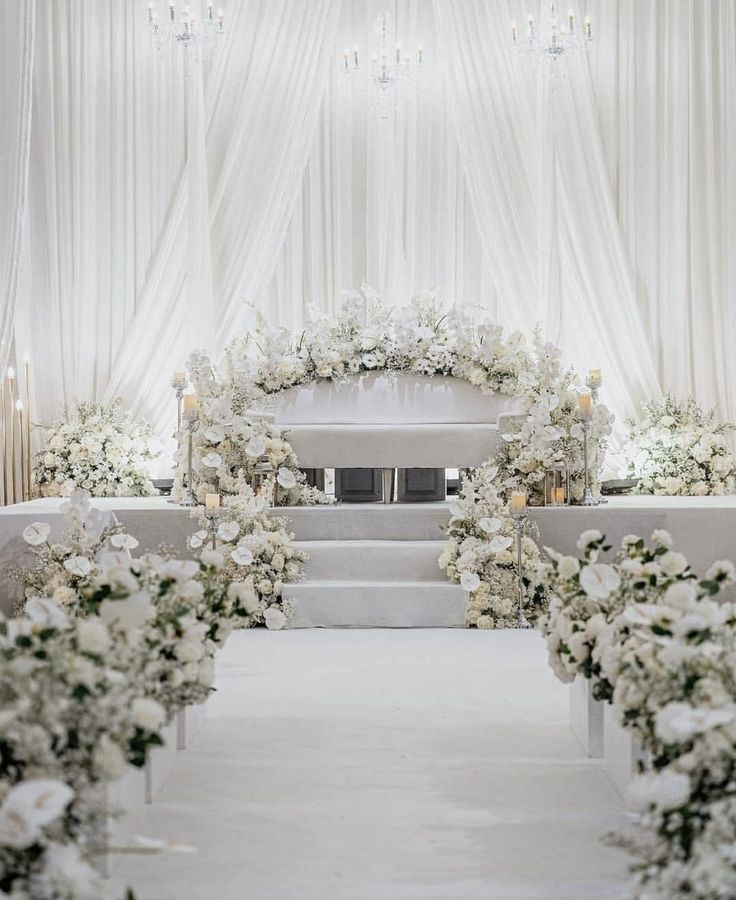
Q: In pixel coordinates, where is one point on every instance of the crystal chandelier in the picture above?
(391, 72)
(555, 38)
(185, 30)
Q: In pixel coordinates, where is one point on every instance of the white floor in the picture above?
(383, 765)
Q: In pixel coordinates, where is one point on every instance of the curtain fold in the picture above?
(544, 202)
(16, 71)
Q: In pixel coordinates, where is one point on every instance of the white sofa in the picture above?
(376, 420)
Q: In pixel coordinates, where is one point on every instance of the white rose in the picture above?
(673, 563)
(187, 651)
(133, 612)
(179, 569)
(274, 618)
(678, 722)
(239, 592)
(568, 567)
(663, 790)
(214, 434)
(92, 636)
(592, 535)
(599, 580)
(680, 595)
(212, 559)
(46, 612)
(242, 555)
(36, 533)
(147, 714)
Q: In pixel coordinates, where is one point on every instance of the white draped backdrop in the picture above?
(159, 208)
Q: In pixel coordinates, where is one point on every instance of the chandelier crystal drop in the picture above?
(180, 27)
(390, 73)
(552, 38)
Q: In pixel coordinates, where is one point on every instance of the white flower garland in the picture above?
(680, 449)
(98, 448)
(657, 642)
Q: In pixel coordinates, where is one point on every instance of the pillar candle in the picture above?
(585, 407)
(191, 406)
(211, 502)
(518, 502)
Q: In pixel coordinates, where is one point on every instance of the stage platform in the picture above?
(375, 564)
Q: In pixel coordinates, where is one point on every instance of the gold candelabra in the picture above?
(15, 419)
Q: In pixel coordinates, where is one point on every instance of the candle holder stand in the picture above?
(189, 499)
(520, 521)
(588, 498)
(212, 515)
(178, 387)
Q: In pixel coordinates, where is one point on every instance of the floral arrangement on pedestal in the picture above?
(231, 433)
(680, 449)
(480, 555)
(72, 721)
(99, 448)
(660, 644)
(258, 557)
(101, 659)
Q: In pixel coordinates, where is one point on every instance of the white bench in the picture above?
(400, 421)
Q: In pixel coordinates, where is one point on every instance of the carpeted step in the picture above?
(368, 521)
(375, 604)
(373, 561)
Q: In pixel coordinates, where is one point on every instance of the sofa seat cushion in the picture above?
(403, 446)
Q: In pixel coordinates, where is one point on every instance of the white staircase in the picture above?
(373, 565)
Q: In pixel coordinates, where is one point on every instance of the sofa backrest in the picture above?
(378, 398)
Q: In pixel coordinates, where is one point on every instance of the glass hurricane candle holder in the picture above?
(557, 486)
(263, 472)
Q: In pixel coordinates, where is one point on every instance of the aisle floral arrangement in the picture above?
(680, 449)
(661, 645)
(479, 555)
(230, 437)
(101, 658)
(98, 448)
(258, 557)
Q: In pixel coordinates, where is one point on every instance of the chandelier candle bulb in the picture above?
(420, 51)
(585, 407)
(530, 21)
(588, 28)
(210, 12)
(571, 20)
(513, 33)
(398, 54)
(355, 57)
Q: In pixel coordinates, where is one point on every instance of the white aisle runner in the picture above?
(384, 765)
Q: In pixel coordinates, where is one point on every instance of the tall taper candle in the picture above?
(27, 386)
